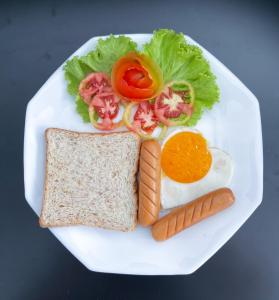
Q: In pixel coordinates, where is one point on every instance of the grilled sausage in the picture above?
(192, 213)
(149, 182)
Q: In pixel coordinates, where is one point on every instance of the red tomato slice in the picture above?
(135, 77)
(144, 121)
(106, 105)
(105, 124)
(146, 117)
(93, 84)
(171, 104)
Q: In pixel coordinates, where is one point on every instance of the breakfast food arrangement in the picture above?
(165, 84)
(145, 162)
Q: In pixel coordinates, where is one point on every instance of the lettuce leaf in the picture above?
(75, 70)
(206, 89)
(196, 114)
(164, 49)
(107, 52)
(82, 109)
(179, 60)
(101, 59)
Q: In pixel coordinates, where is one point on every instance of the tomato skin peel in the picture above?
(136, 78)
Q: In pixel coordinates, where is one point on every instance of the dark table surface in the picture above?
(35, 37)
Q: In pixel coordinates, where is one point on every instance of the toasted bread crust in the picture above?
(149, 182)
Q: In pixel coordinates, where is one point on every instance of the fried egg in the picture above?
(190, 168)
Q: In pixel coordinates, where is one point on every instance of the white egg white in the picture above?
(219, 175)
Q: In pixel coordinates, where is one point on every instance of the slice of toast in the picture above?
(90, 179)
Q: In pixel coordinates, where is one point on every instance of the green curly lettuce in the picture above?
(179, 60)
(82, 109)
(75, 70)
(107, 52)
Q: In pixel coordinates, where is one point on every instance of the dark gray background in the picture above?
(35, 38)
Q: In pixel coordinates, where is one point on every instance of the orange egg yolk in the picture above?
(185, 157)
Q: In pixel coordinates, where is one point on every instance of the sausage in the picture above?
(149, 182)
(192, 213)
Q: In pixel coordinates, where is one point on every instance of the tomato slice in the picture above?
(144, 121)
(105, 124)
(177, 98)
(93, 84)
(106, 105)
(146, 117)
(135, 77)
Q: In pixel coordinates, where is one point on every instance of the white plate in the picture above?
(234, 125)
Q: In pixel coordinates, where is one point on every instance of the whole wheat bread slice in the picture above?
(90, 179)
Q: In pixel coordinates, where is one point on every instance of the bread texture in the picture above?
(90, 179)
